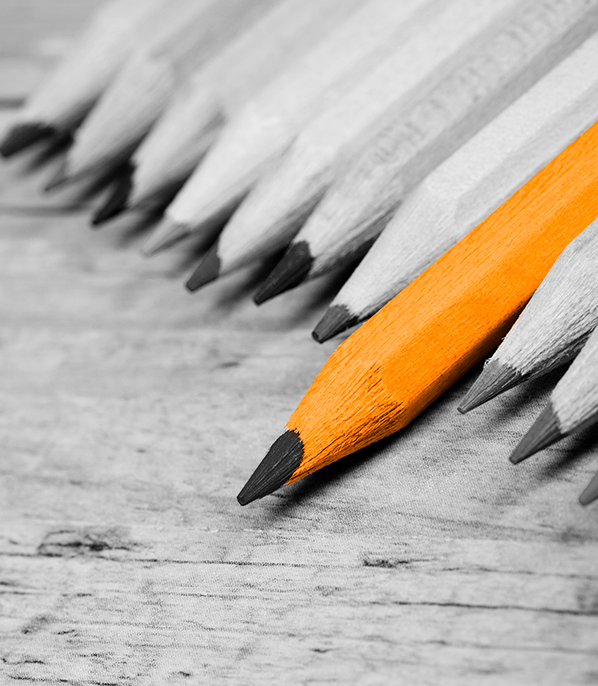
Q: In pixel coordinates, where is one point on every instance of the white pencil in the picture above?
(65, 97)
(134, 101)
(500, 66)
(470, 185)
(216, 91)
(267, 125)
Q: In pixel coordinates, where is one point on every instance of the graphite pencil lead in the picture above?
(494, 380)
(336, 319)
(60, 178)
(544, 432)
(590, 493)
(207, 271)
(23, 136)
(167, 233)
(275, 469)
(118, 200)
(288, 273)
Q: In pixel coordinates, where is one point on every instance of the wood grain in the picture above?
(131, 414)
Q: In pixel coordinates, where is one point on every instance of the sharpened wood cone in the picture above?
(496, 378)
(543, 432)
(590, 493)
(166, 234)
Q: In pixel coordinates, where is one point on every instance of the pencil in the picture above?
(466, 188)
(590, 493)
(184, 132)
(573, 405)
(280, 203)
(65, 97)
(437, 328)
(267, 125)
(130, 106)
(553, 327)
(498, 68)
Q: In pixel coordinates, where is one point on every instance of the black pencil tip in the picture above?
(543, 432)
(275, 469)
(22, 136)
(494, 380)
(207, 271)
(59, 179)
(336, 319)
(590, 493)
(119, 198)
(166, 234)
(292, 270)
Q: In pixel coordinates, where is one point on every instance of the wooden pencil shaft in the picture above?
(498, 67)
(450, 317)
(219, 88)
(267, 124)
(279, 204)
(475, 180)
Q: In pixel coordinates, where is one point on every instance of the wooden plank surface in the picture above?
(130, 415)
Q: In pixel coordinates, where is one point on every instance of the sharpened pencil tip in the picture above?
(543, 432)
(166, 234)
(23, 136)
(494, 380)
(59, 179)
(207, 271)
(119, 198)
(590, 493)
(282, 460)
(336, 319)
(292, 270)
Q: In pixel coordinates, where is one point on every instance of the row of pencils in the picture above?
(448, 148)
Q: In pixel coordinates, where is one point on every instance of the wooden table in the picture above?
(131, 413)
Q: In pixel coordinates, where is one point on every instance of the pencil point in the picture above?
(494, 380)
(288, 273)
(59, 179)
(22, 136)
(543, 432)
(590, 493)
(207, 271)
(167, 233)
(118, 200)
(275, 469)
(336, 319)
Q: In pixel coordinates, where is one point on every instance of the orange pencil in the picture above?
(437, 328)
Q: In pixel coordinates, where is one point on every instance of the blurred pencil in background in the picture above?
(469, 186)
(216, 91)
